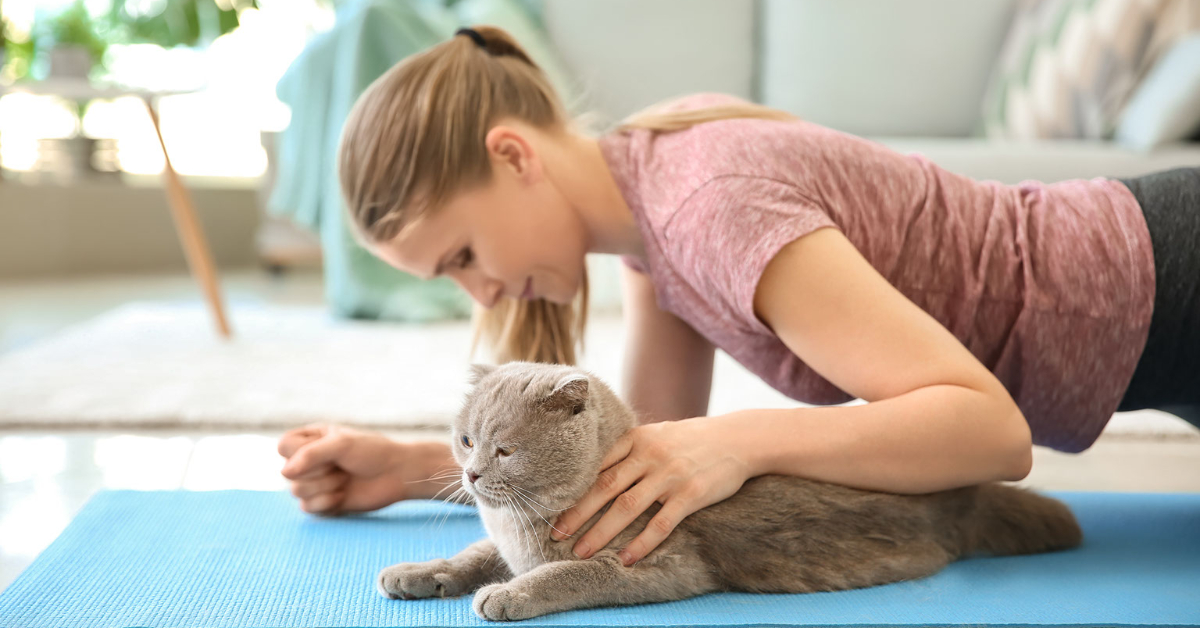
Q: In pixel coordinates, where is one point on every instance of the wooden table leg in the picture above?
(195, 247)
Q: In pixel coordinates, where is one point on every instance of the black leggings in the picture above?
(1167, 376)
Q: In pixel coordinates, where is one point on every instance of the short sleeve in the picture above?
(632, 262)
(722, 237)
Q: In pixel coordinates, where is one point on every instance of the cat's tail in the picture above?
(1009, 520)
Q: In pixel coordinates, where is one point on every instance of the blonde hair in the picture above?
(414, 139)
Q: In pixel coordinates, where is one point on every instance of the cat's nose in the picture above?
(472, 476)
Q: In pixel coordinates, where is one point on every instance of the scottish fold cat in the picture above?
(530, 439)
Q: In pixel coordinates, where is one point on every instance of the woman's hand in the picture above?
(685, 465)
(336, 469)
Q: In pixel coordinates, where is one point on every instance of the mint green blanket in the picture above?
(321, 86)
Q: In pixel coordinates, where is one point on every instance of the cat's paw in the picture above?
(411, 581)
(503, 602)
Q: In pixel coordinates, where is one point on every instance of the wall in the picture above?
(111, 227)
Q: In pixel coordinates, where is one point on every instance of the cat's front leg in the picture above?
(598, 581)
(468, 570)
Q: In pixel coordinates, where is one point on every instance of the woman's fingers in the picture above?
(618, 452)
(313, 455)
(657, 529)
(328, 483)
(296, 438)
(627, 507)
(325, 503)
(317, 471)
(607, 485)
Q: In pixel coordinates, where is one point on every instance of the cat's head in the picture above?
(531, 433)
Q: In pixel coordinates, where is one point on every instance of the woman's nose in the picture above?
(485, 291)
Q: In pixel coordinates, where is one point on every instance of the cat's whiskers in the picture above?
(513, 512)
(532, 532)
(452, 499)
(435, 495)
(437, 476)
(435, 520)
(490, 555)
(527, 500)
(462, 492)
(530, 494)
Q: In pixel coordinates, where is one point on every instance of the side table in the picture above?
(191, 235)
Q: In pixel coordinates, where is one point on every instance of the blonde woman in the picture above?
(974, 318)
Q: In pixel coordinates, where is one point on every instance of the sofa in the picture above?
(911, 75)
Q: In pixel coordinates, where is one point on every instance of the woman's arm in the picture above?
(930, 439)
(936, 417)
(668, 365)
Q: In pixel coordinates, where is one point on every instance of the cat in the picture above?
(533, 436)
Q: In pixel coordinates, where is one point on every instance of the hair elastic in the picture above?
(474, 35)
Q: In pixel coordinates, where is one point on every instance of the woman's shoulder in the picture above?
(700, 100)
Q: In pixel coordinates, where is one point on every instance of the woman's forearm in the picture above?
(439, 463)
(930, 439)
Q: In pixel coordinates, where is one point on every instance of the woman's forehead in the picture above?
(418, 247)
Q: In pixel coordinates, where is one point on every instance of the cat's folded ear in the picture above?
(478, 372)
(570, 393)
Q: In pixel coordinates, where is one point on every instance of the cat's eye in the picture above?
(467, 442)
(506, 451)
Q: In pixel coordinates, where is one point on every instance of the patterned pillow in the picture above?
(1166, 106)
(1068, 67)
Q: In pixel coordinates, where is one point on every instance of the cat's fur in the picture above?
(776, 534)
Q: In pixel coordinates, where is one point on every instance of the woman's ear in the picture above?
(570, 393)
(509, 148)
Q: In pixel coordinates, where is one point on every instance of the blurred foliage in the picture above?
(19, 51)
(168, 23)
(73, 26)
(179, 22)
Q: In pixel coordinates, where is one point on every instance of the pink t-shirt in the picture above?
(1051, 286)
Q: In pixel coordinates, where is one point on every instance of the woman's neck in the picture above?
(589, 187)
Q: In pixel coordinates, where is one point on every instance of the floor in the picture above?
(46, 476)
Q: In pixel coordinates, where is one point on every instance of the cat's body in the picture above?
(776, 534)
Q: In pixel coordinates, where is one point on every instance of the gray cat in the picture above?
(534, 435)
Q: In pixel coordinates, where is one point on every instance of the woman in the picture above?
(975, 318)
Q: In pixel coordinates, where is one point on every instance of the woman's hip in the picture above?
(1168, 372)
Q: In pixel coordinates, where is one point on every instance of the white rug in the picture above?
(152, 364)
(161, 364)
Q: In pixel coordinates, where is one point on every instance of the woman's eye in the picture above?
(467, 442)
(465, 258)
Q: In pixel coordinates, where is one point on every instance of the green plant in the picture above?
(18, 54)
(180, 22)
(74, 27)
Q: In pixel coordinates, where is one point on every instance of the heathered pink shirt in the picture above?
(1051, 286)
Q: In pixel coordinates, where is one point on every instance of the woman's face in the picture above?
(495, 240)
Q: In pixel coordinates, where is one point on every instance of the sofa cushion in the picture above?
(1069, 66)
(880, 67)
(1166, 107)
(1013, 161)
(630, 54)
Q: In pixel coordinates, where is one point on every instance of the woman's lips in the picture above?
(528, 294)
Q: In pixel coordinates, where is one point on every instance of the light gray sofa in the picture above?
(909, 74)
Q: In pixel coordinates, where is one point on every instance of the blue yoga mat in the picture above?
(242, 559)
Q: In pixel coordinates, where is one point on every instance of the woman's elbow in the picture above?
(1020, 448)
